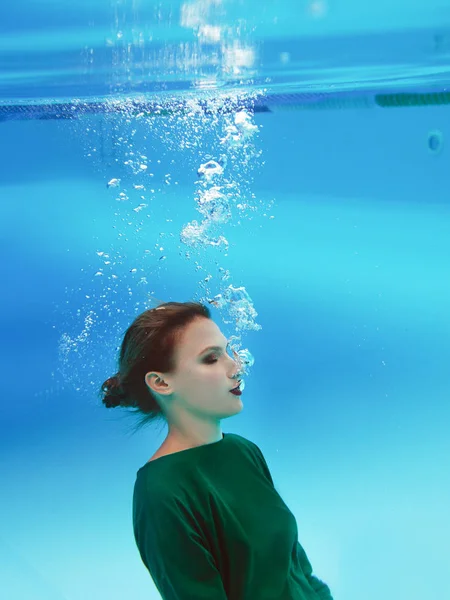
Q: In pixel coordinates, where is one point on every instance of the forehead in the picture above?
(197, 336)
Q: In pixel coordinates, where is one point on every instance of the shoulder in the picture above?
(253, 451)
(245, 445)
(241, 440)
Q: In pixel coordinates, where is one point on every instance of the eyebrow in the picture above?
(216, 348)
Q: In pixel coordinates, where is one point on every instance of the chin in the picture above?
(235, 410)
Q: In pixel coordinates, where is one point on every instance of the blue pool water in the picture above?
(340, 236)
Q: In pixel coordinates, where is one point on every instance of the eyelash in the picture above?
(210, 360)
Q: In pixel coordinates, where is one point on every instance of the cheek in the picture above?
(203, 375)
(210, 375)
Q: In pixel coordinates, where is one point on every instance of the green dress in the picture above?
(210, 525)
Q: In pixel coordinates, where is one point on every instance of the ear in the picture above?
(156, 383)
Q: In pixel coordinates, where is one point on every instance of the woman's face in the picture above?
(205, 373)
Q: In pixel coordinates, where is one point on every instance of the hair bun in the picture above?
(114, 394)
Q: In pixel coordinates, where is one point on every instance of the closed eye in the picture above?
(211, 359)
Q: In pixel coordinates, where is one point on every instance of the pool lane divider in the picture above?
(271, 103)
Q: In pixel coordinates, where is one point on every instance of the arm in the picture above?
(321, 589)
(174, 552)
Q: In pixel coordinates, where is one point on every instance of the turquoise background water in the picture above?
(349, 395)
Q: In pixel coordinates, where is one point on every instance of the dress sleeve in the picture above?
(321, 588)
(175, 553)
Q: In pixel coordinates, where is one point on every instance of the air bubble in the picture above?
(113, 183)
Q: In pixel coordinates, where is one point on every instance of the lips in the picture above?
(237, 390)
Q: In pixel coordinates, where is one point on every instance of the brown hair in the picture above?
(149, 345)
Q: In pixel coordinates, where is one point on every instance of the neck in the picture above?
(190, 438)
